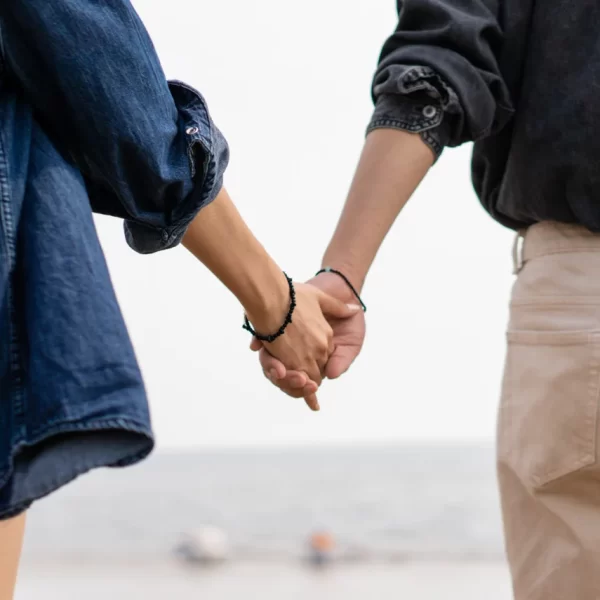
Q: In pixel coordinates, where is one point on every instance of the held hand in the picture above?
(348, 339)
(307, 343)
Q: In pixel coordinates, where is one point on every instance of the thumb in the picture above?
(332, 307)
(255, 344)
(340, 361)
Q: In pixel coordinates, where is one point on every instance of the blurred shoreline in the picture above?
(417, 581)
(380, 503)
(421, 522)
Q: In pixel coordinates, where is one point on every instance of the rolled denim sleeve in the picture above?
(148, 149)
(207, 154)
(439, 74)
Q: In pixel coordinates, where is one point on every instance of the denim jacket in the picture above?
(517, 77)
(87, 123)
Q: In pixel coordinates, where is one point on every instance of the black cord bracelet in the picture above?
(340, 274)
(288, 319)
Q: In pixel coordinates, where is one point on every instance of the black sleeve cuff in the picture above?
(417, 100)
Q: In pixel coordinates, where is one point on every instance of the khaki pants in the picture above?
(548, 454)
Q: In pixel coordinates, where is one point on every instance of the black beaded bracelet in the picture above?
(340, 274)
(288, 319)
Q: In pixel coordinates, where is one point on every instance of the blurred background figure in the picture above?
(206, 545)
(321, 546)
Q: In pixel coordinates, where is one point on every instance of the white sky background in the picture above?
(288, 83)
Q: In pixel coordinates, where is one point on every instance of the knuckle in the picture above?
(317, 377)
(292, 392)
(323, 345)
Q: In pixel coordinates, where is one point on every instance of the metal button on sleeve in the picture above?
(429, 111)
(192, 130)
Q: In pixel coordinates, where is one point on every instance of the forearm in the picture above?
(221, 240)
(391, 166)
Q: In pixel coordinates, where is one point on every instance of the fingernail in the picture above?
(273, 374)
(353, 307)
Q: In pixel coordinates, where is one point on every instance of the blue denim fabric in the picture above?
(87, 121)
(518, 77)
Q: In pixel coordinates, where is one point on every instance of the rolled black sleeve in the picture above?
(438, 73)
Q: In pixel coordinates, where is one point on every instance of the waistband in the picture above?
(548, 238)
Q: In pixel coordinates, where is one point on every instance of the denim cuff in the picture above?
(208, 155)
(417, 100)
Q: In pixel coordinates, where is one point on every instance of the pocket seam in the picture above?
(524, 337)
(545, 301)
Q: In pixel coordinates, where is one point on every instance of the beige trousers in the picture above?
(548, 426)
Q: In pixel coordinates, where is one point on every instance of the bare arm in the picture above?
(391, 166)
(221, 240)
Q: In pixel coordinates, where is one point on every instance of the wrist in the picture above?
(266, 298)
(337, 284)
(355, 273)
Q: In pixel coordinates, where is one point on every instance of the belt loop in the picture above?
(518, 253)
